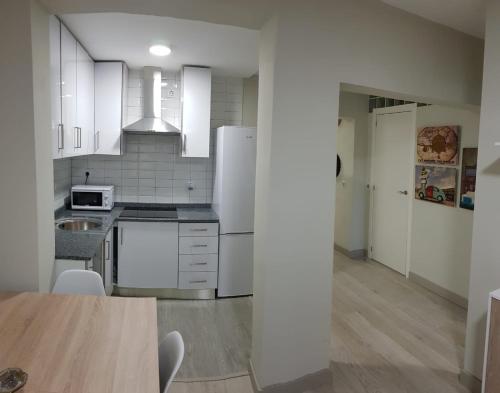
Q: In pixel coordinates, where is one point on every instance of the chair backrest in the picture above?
(79, 282)
(171, 353)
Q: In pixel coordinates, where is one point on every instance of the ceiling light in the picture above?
(160, 50)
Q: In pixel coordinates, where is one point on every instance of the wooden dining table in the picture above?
(80, 344)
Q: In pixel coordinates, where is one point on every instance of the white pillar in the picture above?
(297, 121)
(26, 173)
(485, 258)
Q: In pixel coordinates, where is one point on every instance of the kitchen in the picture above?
(154, 166)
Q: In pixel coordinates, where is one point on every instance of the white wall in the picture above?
(385, 49)
(485, 255)
(43, 144)
(441, 235)
(26, 250)
(344, 191)
(355, 106)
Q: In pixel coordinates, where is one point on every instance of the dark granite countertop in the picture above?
(82, 245)
(85, 245)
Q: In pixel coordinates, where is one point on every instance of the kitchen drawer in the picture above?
(197, 280)
(198, 263)
(199, 229)
(198, 245)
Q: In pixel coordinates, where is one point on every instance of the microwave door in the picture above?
(87, 198)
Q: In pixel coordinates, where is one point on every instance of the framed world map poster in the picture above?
(438, 145)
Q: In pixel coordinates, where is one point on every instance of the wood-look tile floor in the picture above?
(389, 335)
(217, 335)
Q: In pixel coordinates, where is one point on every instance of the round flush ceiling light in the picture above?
(159, 50)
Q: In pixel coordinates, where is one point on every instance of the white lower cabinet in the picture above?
(148, 255)
(198, 255)
(108, 263)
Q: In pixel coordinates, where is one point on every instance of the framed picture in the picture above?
(438, 145)
(468, 182)
(436, 184)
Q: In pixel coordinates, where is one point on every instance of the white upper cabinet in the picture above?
(55, 88)
(196, 94)
(72, 93)
(68, 92)
(110, 106)
(84, 100)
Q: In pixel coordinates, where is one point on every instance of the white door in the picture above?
(68, 91)
(235, 265)
(148, 254)
(392, 179)
(85, 99)
(234, 194)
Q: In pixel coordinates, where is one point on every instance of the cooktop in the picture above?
(152, 213)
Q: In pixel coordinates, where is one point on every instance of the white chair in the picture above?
(79, 282)
(171, 353)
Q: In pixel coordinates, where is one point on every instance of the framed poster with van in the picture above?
(436, 184)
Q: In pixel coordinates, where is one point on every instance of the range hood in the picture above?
(152, 122)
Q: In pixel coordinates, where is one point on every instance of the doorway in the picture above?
(391, 186)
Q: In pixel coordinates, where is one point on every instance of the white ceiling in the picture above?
(467, 16)
(228, 50)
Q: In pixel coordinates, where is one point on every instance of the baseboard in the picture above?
(470, 381)
(317, 380)
(354, 254)
(438, 290)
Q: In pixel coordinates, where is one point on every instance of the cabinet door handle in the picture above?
(200, 245)
(80, 137)
(199, 230)
(184, 143)
(198, 264)
(121, 236)
(197, 281)
(60, 137)
(108, 250)
(75, 137)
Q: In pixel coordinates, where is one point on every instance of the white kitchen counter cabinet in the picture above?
(148, 254)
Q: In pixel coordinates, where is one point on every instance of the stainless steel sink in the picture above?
(78, 224)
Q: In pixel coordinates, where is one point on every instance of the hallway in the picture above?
(391, 335)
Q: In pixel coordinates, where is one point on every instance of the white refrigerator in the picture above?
(233, 201)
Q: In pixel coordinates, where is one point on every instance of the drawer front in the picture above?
(198, 263)
(198, 245)
(197, 280)
(199, 229)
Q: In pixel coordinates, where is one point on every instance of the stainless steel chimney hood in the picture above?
(152, 122)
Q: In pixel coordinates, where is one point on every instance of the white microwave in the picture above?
(92, 197)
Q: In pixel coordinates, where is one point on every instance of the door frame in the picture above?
(410, 108)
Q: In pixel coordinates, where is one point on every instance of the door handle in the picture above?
(108, 250)
(60, 136)
(184, 143)
(403, 192)
(121, 236)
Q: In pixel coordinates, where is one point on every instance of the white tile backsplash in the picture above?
(151, 170)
